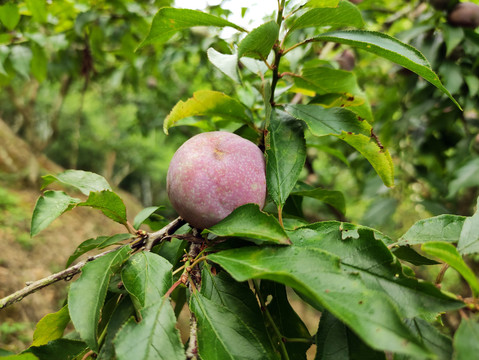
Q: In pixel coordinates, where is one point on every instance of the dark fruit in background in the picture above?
(464, 14)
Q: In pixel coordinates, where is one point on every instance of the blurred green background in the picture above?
(74, 94)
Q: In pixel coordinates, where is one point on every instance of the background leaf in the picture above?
(9, 15)
(466, 339)
(439, 228)
(84, 181)
(121, 314)
(154, 337)
(250, 222)
(286, 319)
(59, 349)
(146, 277)
(227, 64)
(375, 153)
(432, 337)
(285, 156)
(389, 48)
(87, 294)
(259, 42)
(109, 203)
(100, 242)
(331, 197)
(333, 88)
(449, 254)
(168, 21)
(344, 14)
(469, 238)
(49, 206)
(335, 341)
(207, 103)
(51, 327)
(329, 121)
(143, 215)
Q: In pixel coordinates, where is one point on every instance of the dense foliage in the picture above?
(350, 133)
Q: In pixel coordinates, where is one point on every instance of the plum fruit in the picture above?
(212, 174)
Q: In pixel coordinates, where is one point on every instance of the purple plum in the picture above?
(212, 174)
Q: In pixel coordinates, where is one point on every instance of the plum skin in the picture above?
(212, 174)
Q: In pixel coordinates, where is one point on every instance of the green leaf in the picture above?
(345, 125)
(238, 298)
(49, 206)
(464, 177)
(121, 314)
(207, 103)
(146, 277)
(449, 254)
(51, 327)
(4, 52)
(227, 64)
(59, 349)
(434, 339)
(87, 294)
(361, 253)
(335, 341)
(410, 255)
(319, 276)
(223, 334)
(334, 88)
(144, 215)
(344, 15)
(250, 222)
(329, 121)
(331, 197)
(466, 340)
(24, 356)
(109, 203)
(285, 156)
(82, 180)
(169, 21)
(391, 49)
(469, 238)
(377, 155)
(285, 318)
(20, 58)
(259, 42)
(453, 36)
(38, 8)
(154, 337)
(439, 228)
(322, 3)
(39, 63)
(100, 242)
(9, 15)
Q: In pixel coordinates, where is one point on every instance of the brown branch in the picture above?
(156, 237)
(142, 239)
(32, 287)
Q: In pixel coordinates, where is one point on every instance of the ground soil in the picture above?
(24, 259)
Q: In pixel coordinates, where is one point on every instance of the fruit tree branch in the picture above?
(146, 239)
(40, 284)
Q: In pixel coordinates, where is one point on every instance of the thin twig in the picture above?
(149, 240)
(66, 274)
(194, 285)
